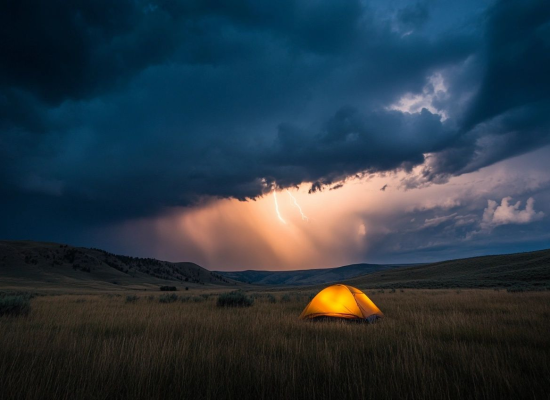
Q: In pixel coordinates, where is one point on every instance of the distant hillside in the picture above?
(521, 270)
(36, 263)
(305, 277)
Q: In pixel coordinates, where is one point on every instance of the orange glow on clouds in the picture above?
(342, 224)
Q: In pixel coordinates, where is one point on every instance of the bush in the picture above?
(15, 305)
(286, 298)
(517, 289)
(168, 288)
(131, 298)
(168, 298)
(271, 298)
(235, 299)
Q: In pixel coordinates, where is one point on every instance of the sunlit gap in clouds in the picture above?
(374, 219)
(231, 234)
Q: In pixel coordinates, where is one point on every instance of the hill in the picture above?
(51, 266)
(521, 271)
(40, 265)
(305, 277)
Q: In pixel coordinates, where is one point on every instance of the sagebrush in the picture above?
(236, 298)
(15, 305)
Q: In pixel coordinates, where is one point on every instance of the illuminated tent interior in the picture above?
(341, 301)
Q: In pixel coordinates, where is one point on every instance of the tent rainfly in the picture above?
(342, 301)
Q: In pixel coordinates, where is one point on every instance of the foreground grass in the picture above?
(431, 345)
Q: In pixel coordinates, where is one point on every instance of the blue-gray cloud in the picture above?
(116, 110)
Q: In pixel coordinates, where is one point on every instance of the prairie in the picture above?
(432, 344)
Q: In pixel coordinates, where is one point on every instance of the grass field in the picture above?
(431, 345)
(519, 271)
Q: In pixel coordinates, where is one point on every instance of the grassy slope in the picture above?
(52, 267)
(37, 265)
(431, 345)
(531, 270)
(304, 277)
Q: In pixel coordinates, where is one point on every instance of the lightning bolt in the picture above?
(277, 207)
(304, 217)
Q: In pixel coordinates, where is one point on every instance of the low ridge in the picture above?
(51, 264)
(520, 270)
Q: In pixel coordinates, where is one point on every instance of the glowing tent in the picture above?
(341, 301)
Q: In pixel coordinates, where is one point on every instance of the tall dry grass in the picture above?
(431, 345)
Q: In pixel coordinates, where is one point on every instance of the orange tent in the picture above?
(341, 301)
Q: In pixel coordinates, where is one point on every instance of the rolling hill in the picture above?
(53, 266)
(42, 265)
(305, 277)
(521, 270)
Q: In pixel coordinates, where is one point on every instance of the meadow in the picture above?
(432, 344)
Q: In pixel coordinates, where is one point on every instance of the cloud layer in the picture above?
(116, 111)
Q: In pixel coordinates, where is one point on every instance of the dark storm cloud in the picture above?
(413, 15)
(352, 142)
(508, 114)
(517, 60)
(58, 50)
(110, 110)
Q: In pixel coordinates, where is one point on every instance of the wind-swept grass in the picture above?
(15, 305)
(431, 345)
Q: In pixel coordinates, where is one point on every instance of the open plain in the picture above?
(432, 344)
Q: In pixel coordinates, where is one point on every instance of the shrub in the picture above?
(168, 288)
(235, 299)
(131, 298)
(198, 299)
(271, 298)
(516, 289)
(286, 298)
(15, 305)
(187, 288)
(168, 298)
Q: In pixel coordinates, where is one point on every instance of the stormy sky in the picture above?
(406, 131)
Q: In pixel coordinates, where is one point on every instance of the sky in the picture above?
(277, 135)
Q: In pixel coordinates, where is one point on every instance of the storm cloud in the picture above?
(117, 110)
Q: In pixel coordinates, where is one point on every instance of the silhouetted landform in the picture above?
(38, 265)
(306, 276)
(27, 263)
(520, 271)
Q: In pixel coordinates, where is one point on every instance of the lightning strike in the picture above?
(277, 207)
(304, 217)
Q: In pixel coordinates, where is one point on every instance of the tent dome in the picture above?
(341, 301)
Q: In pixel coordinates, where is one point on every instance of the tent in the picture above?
(342, 301)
